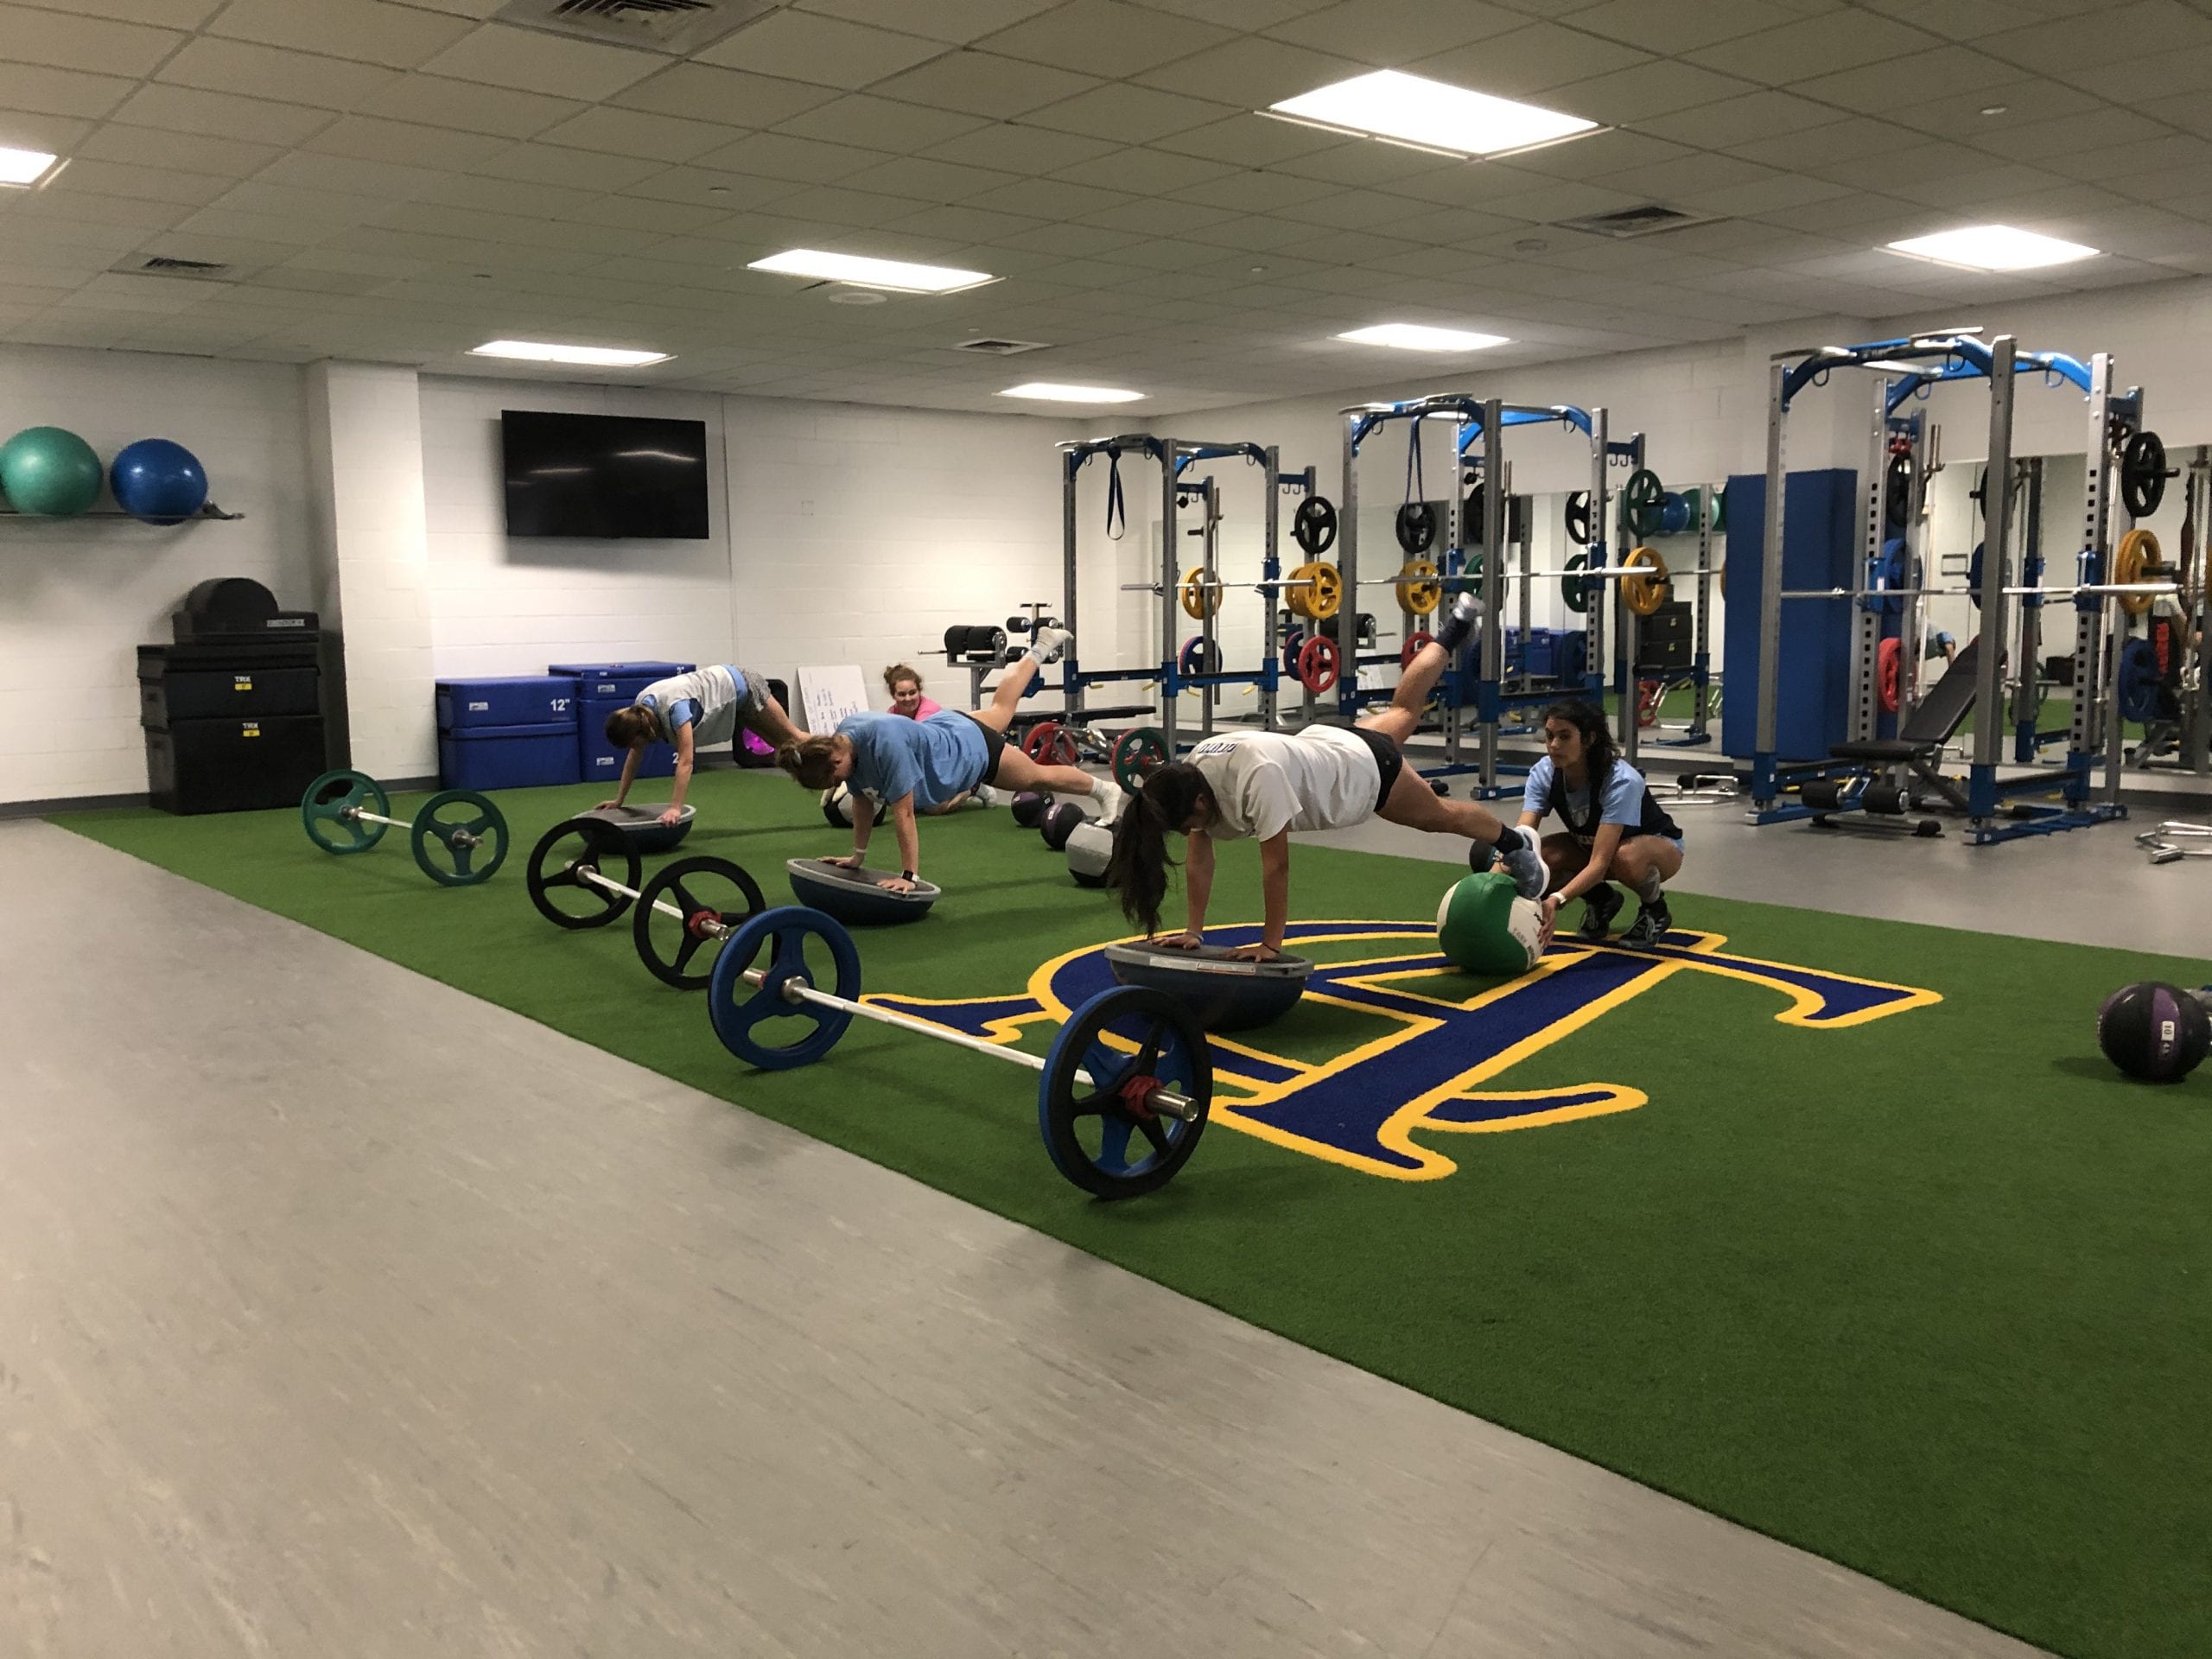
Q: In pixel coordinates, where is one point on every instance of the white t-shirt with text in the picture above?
(1321, 778)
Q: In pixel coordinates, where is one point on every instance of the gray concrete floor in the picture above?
(342, 1315)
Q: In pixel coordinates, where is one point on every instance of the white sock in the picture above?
(1108, 794)
(1648, 889)
(984, 795)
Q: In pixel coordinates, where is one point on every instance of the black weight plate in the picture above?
(1578, 518)
(1416, 527)
(1314, 525)
(557, 886)
(1896, 491)
(668, 945)
(2143, 474)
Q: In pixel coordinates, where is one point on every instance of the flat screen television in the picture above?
(604, 475)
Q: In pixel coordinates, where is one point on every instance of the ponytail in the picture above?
(810, 761)
(1138, 869)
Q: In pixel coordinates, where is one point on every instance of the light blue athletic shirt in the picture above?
(699, 699)
(1623, 795)
(933, 758)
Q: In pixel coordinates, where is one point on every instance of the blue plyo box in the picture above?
(507, 700)
(508, 757)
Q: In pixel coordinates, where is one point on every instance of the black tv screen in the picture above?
(604, 475)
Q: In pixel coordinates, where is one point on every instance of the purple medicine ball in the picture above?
(2156, 1031)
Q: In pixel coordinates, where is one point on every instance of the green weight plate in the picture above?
(459, 838)
(1646, 498)
(328, 807)
(1137, 753)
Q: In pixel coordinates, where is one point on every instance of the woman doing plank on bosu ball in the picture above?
(1615, 831)
(1262, 785)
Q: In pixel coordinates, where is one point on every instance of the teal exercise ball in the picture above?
(47, 470)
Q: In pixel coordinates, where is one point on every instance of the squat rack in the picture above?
(1479, 426)
(1906, 368)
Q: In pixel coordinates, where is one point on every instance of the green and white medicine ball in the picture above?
(1485, 927)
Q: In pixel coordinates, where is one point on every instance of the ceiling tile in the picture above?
(1015, 148)
(1959, 116)
(506, 196)
(1802, 50)
(254, 71)
(397, 36)
(1736, 121)
(500, 55)
(1392, 32)
(60, 40)
(881, 123)
(1254, 141)
(2106, 34)
(2088, 130)
(1363, 164)
(1561, 200)
(1254, 71)
(1130, 114)
(834, 205)
(403, 143)
(958, 22)
(147, 183)
(220, 115)
(637, 132)
(1901, 83)
(1049, 198)
(705, 187)
(436, 101)
(61, 134)
(116, 142)
(1149, 172)
(1255, 193)
(581, 169)
(1632, 97)
(2169, 72)
(1538, 58)
(799, 46)
(979, 83)
(162, 14)
(36, 91)
(1837, 141)
(699, 91)
(1669, 29)
(1594, 155)
(1105, 37)
(779, 156)
(968, 224)
(921, 181)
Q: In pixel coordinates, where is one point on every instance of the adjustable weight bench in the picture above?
(1918, 745)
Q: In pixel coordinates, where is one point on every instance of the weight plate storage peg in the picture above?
(1113, 1054)
(1314, 525)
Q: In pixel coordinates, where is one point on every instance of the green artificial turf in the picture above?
(1929, 1295)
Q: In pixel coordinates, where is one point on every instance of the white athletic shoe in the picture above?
(984, 795)
(1050, 643)
(1526, 864)
(1111, 799)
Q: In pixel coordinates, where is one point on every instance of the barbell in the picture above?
(339, 818)
(1130, 1065)
(701, 924)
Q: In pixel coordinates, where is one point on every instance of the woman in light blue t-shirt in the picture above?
(1615, 831)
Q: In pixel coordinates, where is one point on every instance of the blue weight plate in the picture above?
(1098, 1139)
(739, 1008)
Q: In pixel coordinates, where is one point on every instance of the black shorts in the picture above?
(1390, 759)
(994, 747)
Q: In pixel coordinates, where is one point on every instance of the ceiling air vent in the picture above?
(999, 347)
(1647, 220)
(162, 265)
(675, 27)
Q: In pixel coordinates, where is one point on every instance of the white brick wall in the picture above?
(78, 596)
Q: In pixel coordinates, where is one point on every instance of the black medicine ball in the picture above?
(2155, 1031)
(1059, 823)
(1028, 808)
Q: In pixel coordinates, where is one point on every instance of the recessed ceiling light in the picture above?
(1430, 115)
(1417, 337)
(1992, 247)
(25, 166)
(856, 296)
(872, 273)
(1996, 109)
(1052, 392)
(593, 357)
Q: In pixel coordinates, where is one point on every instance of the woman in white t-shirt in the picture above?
(1262, 785)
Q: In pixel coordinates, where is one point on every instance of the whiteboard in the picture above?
(826, 696)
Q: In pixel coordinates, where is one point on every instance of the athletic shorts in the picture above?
(1389, 760)
(752, 693)
(994, 747)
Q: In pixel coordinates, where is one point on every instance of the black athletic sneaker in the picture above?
(1650, 925)
(1599, 906)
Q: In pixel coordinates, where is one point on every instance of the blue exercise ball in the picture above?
(158, 481)
(1674, 514)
